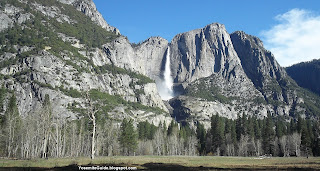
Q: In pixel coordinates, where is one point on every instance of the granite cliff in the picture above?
(64, 48)
(57, 48)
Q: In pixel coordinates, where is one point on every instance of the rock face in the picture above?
(11, 15)
(258, 63)
(215, 72)
(203, 52)
(66, 69)
(240, 77)
(265, 72)
(146, 58)
(90, 10)
(231, 75)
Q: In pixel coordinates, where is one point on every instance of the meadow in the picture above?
(169, 163)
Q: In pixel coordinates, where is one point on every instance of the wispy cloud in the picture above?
(296, 38)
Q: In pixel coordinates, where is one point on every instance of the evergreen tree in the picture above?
(233, 132)
(185, 132)
(143, 130)
(152, 131)
(316, 148)
(239, 129)
(217, 132)
(250, 127)
(201, 135)
(316, 138)
(172, 128)
(257, 129)
(146, 130)
(280, 128)
(305, 136)
(299, 124)
(227, 126)
(292, 127)
(244, 124)
(128, 137)
(311, 131)
(268, 135)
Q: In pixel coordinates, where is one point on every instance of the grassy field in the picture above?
(171, 163)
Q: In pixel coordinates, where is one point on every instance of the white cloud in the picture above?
(296, 38)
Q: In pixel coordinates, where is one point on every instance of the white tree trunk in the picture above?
(93, 135)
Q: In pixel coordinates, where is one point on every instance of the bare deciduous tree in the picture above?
(295, 143)
(283, 141)
(243, 145)
(91, 111)
(192, 145)
(159, 142)
(230, 151)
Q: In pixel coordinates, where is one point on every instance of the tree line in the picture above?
(249, 136)
(43, 135)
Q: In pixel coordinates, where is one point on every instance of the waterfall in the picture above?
(167, 73)
(165, 87)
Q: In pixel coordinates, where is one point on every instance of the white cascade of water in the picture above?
(165, 87)
(167, 73)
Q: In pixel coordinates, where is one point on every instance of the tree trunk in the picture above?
(93, 135)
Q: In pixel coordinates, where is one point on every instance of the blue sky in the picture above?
(141, 19)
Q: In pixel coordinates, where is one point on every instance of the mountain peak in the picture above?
(215, 25)
(89, 9)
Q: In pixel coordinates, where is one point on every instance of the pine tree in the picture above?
(128, 137)
(239, 128)
(292, 127)
(268, 135)
(305, 136)
(311, 131)
(217, 132)
(142, 130)
(183, 133)
(316, 138)
(299, 124)
(250, 128)
(280, 128)
(244, 124)
(201, 135)
(233, 132)
(172, 128)
(257, 129)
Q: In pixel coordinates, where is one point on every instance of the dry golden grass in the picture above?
(183, 161)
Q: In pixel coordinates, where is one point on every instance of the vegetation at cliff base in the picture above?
(245, 136)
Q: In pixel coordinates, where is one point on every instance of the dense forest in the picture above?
(41, 135)
(306, 74)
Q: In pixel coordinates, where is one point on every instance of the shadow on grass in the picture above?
(151, 166)
(165, 166)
